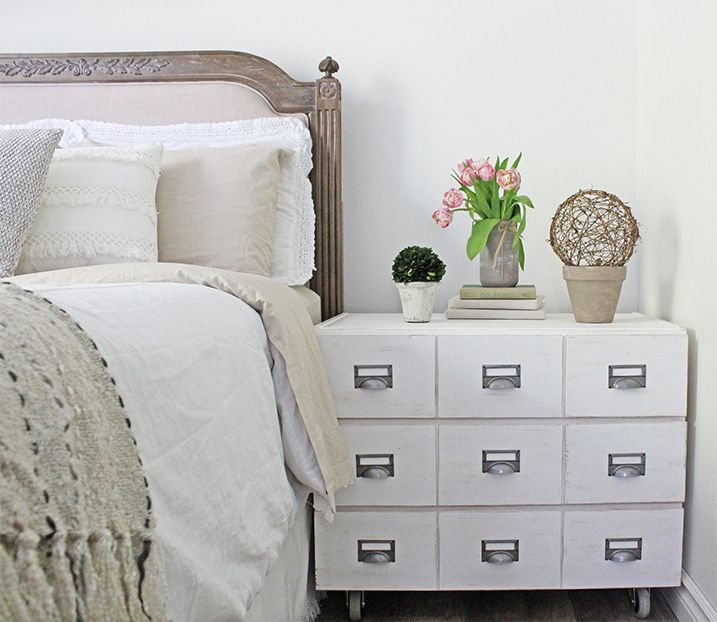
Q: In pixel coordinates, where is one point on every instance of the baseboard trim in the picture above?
(688, 602)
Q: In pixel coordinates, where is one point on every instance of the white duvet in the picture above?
(195, 372)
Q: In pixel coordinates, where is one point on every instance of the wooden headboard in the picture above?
(320, 101)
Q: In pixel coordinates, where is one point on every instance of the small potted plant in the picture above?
(489, 195)
(594, 233)
(417, 271)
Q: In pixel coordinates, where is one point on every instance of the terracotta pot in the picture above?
(594, 291)
(417, 300)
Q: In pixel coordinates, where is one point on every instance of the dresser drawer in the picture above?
(473, 545)
(507, 376)
(394, 465)
(381, 376)
(626, 376)
(376, 551)
(649, 543)
(499, 464)
(629, 463)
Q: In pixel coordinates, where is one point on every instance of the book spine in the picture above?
(495, 303)
(478, 294)
(487, 314)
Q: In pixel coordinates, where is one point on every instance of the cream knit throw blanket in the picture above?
(75, 512)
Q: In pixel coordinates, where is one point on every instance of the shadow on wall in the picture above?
(666, 262)
(374, 182)
(693, 353)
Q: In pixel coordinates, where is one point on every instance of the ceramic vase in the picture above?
(499, 260)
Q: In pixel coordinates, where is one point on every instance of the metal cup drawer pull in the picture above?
(626, 465)
(501, 377)
(377, 551)
(626, 376)
(373, 377)
(374, 466)
(501, 461)
(623, 550)
(499, 551)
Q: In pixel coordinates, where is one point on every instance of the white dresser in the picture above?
(497, 455)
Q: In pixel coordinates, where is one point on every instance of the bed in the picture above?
(202, 357)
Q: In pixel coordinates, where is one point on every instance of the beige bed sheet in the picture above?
(312, 302)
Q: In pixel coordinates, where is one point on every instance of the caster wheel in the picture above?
(640, 599)
(354, 600)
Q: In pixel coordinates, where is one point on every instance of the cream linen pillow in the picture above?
(98, 207)
(217, 207)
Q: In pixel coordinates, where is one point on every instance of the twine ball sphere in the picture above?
(593, 228)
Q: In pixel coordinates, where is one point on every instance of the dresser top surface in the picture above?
(553, 324)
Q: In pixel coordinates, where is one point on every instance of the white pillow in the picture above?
(72, 132)
(293, 249)
(98, 207)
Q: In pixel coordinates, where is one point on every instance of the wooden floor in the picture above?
(562, 606)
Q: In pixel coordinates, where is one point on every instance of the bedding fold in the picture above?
(288, 328)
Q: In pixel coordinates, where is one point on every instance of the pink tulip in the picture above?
(452, 198)
(486, 171)
(468, 176)
(508, 180)
(468, 163)
(443, 217)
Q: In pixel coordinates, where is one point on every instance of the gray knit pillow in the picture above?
(24, 161)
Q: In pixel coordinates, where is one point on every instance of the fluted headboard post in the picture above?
(319, 100)
(326, 177)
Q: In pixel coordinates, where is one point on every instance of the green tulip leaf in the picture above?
(495, 202)
(522, 223)
(479, 236)
(521, 254)
(483, 206)
(517, 160)
(524, 200)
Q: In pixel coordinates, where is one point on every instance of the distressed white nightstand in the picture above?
(495, 455)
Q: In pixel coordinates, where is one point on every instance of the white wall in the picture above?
(677, 160)
(426, 83)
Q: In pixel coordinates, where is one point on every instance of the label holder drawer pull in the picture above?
(499, 551)
(623, 550)
(373, 377)
(626, 377)
(376, 551)
(501, 461)
(501, 377)
(626, 465)
(374, 466)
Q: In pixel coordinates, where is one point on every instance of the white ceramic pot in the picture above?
(594, 291)
(417, 300)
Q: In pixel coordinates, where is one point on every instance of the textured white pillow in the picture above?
(293, 249)
(98, 207)
(25, 157)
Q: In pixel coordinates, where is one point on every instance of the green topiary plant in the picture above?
(418, 264)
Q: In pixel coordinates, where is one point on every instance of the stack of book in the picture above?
(476, 302)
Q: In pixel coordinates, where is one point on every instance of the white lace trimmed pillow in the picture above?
(98, 207)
